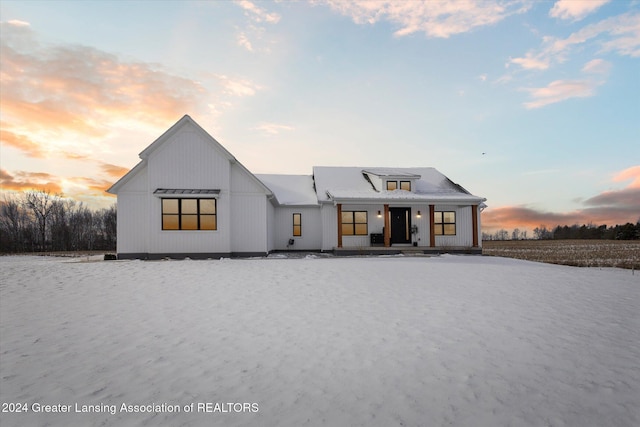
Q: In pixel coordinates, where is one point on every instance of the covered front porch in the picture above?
(407, 227)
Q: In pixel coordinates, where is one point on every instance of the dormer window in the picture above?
(404, 185)
(388, 179)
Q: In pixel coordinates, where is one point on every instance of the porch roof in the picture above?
(399, 196)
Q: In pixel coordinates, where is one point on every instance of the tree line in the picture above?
(38, 221)
(627, 231)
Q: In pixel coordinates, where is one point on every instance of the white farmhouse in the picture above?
(189, 196)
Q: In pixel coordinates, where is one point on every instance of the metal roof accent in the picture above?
(187, 191)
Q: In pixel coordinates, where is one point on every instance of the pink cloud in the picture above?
(632, 173)
(609, 207)
(575, 9)
(620, 34)
(258, 14)
(21, 142)
(560, 90)
(434, 18)
(113, 170)
(25, 181)
(52, 91)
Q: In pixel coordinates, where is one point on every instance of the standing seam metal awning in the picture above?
(186, 192)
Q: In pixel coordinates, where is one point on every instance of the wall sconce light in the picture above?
(419, 215)
(379, 214)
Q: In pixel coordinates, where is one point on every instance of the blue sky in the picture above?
(533, 105)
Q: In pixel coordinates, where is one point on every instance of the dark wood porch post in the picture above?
(339, 225)
(387, 227)
(432, 227)
(474, 225)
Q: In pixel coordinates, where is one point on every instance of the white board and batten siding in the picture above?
(464, 228)
(375, 224)
(270, 221)
(189, 161)
(329, 216)
(133, 222)
(248, 214)
(133, 214)
(311, 226)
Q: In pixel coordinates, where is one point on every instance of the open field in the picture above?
(320, 341)
(581, 253)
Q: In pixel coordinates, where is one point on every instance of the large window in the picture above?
(445, 223)
(189, 214)
(354, 223)
(297, 224)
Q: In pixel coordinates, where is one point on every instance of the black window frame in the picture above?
(297, 228)
(395, 183)
(439, 226)
(405, 182)
(354, 223)
(181, 215)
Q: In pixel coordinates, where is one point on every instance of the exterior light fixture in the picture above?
(419, 215)
(379, 214)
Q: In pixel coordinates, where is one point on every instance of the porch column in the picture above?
(432, 227)
(474, 225)
(387, 227)
(339, 225)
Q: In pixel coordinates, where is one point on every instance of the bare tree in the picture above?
(540, 233)
(107, 219)
(41, 203)
(502, 234)
(12, 224)
(38, 221)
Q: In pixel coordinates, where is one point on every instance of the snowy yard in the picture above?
(387, 341)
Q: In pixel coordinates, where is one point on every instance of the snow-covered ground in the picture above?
(381, 341)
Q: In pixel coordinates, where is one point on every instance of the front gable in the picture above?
(186, 156)
(189, 195)
(185, 124)
(187, 159)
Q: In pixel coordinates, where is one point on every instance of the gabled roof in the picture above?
(328, 183)
(338, 184)
(186, 120)
(127, 177)
(291, 190)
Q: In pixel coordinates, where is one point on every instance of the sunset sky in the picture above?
(533, 105)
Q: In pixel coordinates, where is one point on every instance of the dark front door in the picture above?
(400, 225)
